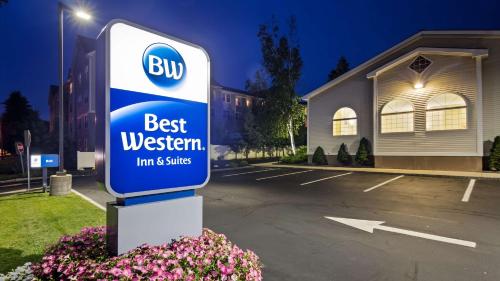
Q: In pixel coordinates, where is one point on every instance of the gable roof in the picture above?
(428, 51)
(391, 51)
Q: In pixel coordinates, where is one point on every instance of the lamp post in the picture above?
(85, 16)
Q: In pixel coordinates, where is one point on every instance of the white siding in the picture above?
(446, 74)
(491, 93)
(355, 94)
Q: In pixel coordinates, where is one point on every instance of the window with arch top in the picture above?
(345, 122)
(397, 116)
(446, 112)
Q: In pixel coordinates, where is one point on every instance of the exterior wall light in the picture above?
(418, 85)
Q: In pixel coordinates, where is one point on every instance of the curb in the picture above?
(88, 199)
(33, 178)
(230, 169)
(480, 175)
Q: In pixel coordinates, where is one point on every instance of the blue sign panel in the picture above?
(156, 113)
(50, 160)
(44, 161)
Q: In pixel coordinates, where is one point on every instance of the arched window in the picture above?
(345, 122)
(397, 117)
(446, 112)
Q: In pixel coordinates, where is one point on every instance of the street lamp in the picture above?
(85, 16)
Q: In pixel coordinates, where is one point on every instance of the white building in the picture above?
(430, 102)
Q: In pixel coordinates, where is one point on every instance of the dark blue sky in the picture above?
(227, 30)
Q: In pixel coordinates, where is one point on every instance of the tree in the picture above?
(343, 155)
(15, 119)
(494, 161)
(283, 63)
(364, 152)
(19, 116)
(319, 157)
(3, 2)
(341, 68)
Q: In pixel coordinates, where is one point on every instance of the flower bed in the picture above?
(208, 257)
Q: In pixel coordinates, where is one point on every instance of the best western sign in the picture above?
(153, 113)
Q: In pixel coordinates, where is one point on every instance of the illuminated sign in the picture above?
(44, 161)
(154, 137)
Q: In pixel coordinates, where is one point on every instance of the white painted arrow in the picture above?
(370, 226)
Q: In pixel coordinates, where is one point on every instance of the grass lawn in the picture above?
(32, 221)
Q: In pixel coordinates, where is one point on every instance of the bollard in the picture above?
(60, 184)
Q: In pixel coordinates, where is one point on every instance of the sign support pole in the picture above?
(22, 163)
(28, 166)
(44, 179)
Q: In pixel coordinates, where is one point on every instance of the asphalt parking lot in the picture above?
(435, 228)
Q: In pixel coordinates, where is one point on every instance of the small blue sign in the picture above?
(50, 160)
(44, 161)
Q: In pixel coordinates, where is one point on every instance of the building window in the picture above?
(397, 117)
(227, 98)
(243, 102)
(345, 122)
(446, 112)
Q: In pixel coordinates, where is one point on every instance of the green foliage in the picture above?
(319, 157)
(343, 155)
(299, 157)
(342, 67)
(32, 221)
(18, 116)
(494, 162)
(363, 156)
(281, 116)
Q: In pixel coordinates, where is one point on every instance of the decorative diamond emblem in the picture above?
(420, 64)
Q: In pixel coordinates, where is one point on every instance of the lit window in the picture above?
(237, 101)
(397, 117)
(446, 112)
(345, 122)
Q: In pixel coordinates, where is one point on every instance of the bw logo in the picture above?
(163, 65)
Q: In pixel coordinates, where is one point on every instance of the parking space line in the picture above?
(282, 175)
(252, 172)
(324, 179)
(384, 183)
(468, 191)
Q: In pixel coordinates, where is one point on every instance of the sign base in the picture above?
(152, 223)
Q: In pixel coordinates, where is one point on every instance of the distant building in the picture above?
(53, 107)
(227, 105)
(81, 120)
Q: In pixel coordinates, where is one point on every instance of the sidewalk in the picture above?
(483, 175)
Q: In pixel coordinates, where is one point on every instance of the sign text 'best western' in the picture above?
(156, 112)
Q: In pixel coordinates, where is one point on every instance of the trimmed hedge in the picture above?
(299, 157)
(319, 157)
(343, 155)
(494, 161)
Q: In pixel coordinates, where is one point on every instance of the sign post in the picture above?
(27, 143)
(152, 142)
(44, 161)
(20, 152)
